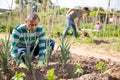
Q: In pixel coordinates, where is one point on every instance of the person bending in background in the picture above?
(26, 35)
(71, 15)
(98, 26)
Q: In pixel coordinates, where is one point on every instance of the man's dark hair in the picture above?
(33, 16)
(86, 8)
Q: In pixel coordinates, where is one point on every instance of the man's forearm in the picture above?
(78, 22)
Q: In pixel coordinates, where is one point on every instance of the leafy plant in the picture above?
(5, 53)
(50, 74)
(101, 66)
(78, 70)
(18, 76)
(48, 52)
(29, 56)
(65, 51)
(28, 59)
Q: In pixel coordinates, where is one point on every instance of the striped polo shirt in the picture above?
(22, 38)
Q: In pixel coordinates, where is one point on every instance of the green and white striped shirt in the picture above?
(21, 38)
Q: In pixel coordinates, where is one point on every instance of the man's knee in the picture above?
(22, 53)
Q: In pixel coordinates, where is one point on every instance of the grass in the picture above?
(116, 46)
(87, 41)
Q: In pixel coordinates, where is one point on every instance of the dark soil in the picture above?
(88, 64)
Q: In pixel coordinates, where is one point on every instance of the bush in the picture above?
(10, 28)
(3, 27)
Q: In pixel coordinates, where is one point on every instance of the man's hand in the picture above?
(40, 63)
(79, 28)
(17, 59)
(22, 65)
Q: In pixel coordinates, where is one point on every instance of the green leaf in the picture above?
(100, 64)
(103, 69)
(50, 74)
(78, 69)
(18, 76)
(65, 50)
(48, 52)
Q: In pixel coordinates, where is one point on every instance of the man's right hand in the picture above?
(17, 59)
(79, 28)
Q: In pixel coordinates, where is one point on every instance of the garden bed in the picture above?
(88, 64)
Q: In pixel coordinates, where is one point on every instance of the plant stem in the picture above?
(33, 73)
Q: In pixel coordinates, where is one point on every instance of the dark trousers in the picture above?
(23, 51)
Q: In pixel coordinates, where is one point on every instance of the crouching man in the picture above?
(29, 37)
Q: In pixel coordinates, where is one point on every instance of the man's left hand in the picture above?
(40, 63)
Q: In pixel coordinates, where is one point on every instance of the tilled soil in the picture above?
(87, 63)
(85, 55)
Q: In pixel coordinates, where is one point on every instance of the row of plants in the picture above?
(5, 54)
(78, 70)
(110, 30)
(63, 58)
